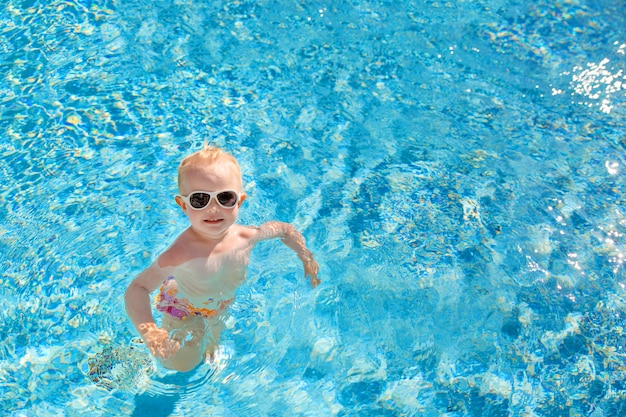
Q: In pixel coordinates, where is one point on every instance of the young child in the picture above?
(200, 272)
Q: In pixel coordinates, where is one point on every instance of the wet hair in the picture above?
(207, 156)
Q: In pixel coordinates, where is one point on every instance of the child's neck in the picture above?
(209, 238)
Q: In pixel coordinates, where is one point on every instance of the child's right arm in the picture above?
(137, 300)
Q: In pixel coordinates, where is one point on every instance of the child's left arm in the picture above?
(294, 240)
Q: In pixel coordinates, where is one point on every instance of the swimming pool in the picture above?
(457, 168)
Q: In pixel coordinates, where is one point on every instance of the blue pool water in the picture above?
(456, 167)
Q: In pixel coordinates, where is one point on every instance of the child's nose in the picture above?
(213, 206)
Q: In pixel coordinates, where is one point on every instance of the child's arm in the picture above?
(137, 299)
(294, 240)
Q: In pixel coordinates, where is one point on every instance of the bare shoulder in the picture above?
(246, 232)
(177, 252)
(170, 257)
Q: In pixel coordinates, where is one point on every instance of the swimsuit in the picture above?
(167, 302)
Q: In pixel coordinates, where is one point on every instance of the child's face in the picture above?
(212, 221)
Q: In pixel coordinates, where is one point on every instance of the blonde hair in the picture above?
(207, 156)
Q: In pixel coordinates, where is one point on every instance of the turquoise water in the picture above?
(457, 168)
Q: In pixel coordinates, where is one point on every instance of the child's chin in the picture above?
(214, 230)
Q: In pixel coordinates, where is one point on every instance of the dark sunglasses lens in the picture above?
(227, 198)
(199, 200)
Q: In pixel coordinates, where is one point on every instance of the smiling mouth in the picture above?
(213, 221)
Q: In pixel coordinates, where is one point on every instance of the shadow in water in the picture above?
(162, 404)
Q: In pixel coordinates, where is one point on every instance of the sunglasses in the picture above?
(198, 200)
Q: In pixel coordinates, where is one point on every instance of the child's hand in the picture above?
(158, 341)
(311, 268)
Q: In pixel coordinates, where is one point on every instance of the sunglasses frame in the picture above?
(212, 196)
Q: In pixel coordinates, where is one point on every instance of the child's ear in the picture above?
(241, 198)
(180, 202)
